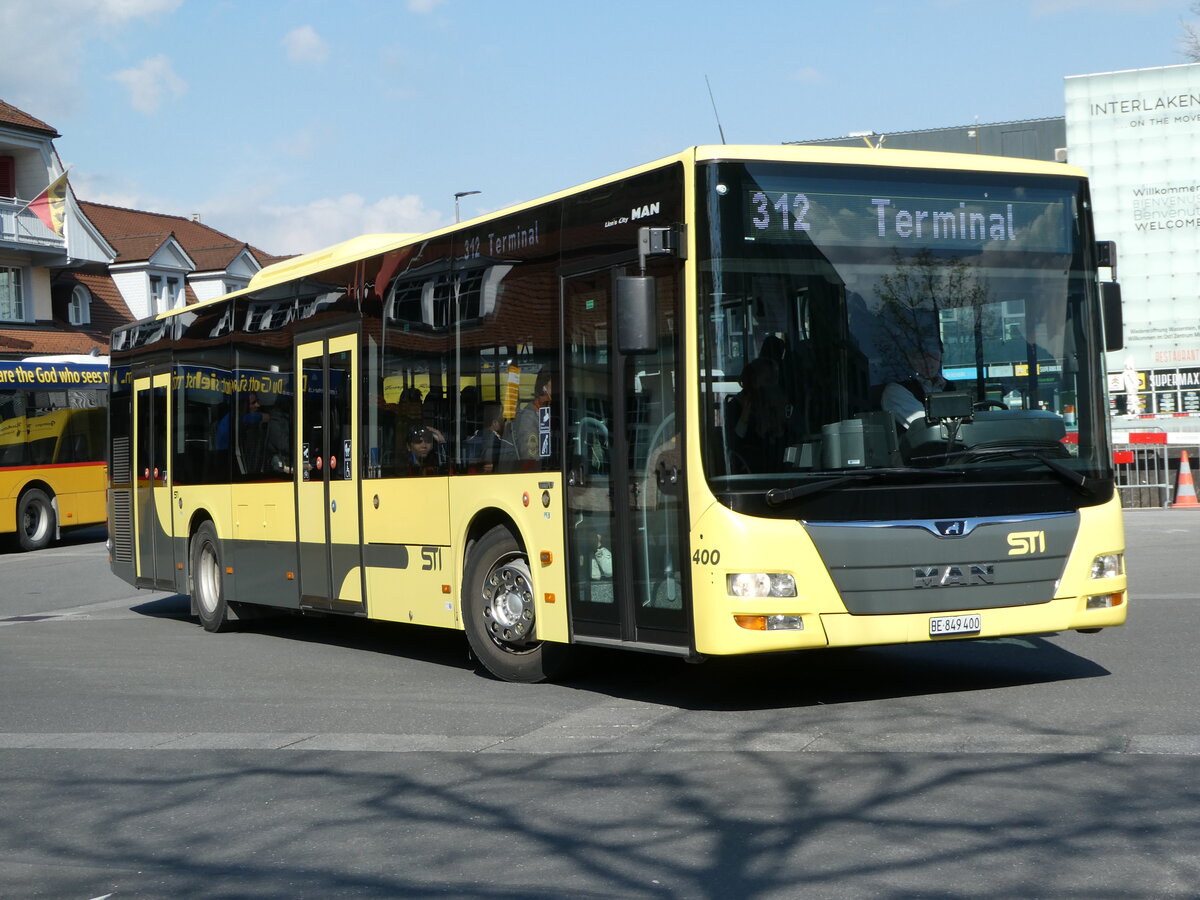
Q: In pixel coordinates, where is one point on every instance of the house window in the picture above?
(8, 181)
(80, 309)
(12, 295)
(156, 287)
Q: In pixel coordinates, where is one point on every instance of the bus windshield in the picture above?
(867, 326)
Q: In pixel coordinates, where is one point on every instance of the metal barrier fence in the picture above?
(1147, 469)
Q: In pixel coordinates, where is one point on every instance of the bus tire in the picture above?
(499, 612)
(35, 520)
(208, 587)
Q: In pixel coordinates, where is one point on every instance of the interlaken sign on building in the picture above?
(1137, 134)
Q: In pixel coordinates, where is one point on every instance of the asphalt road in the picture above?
(143, 757)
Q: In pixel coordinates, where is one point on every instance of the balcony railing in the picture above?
(22, 226)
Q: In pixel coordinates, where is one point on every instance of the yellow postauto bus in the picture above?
(53, 446)
(739, 400)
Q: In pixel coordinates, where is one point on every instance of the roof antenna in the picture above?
(716, 115)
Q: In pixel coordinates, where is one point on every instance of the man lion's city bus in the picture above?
(656, 412)
(53, 446)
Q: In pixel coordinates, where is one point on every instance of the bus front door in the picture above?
(625, 530)
(327, 475)
(153, 521)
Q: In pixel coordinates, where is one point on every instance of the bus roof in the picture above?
(356, 248)
(369, 245)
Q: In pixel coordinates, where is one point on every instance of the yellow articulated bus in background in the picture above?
(53, 446)
(740, 400)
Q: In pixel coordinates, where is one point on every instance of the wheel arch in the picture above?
(36, 484)
(483, 522)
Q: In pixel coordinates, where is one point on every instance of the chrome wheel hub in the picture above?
(508, 609)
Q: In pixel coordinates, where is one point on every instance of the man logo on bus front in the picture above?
(954, 528)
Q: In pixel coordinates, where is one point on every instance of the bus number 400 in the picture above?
(706, 557)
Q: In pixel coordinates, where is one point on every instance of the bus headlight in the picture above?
(1108, 565)
(760, 584)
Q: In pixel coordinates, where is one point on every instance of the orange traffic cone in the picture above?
(1185, 490)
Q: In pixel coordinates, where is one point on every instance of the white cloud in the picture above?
(808, 75)
(304, 45)
(329, 220)
(63, 30)
(424, 7)
(124, 10)
(151, 83)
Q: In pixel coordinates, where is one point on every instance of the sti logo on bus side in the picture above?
(953, 576)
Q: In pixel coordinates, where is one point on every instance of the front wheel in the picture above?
(208, 587)
(35, 520)
(500, 612)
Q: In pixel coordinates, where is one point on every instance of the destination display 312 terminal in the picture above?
(792, 212)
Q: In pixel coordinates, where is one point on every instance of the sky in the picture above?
(295, 125)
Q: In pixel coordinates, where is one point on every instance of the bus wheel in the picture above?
(35, 516)
(208, 591)
(499, 612)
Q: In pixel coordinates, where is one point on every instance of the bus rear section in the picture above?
(53, 445)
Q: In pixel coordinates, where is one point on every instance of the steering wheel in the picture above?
(989, 404)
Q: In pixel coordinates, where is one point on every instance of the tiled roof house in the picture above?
(31, 252)
(164, 261)
(64, 293)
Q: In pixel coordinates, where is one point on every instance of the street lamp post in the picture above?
(458, 196)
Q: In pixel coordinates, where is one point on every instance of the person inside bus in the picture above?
(426, 451)
(527, 425)
(905, 399)
(279, 442)
(756, 418)
(252, 414)
(486, 449)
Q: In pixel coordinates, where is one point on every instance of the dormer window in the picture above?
(79, 310)
(166, 292)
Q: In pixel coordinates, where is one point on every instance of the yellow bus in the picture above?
(53, 446)
(743, 399)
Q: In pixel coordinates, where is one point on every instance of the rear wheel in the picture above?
(208, 591)
(500, 612)
(35, 520)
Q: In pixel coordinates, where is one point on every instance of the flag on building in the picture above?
(51, 204)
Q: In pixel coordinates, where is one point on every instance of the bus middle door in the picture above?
(153, 518)
(327, 476)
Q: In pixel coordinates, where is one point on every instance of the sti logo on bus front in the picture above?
(1025, 542)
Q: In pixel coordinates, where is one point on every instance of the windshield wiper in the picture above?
(779, 496)
(1075, 479)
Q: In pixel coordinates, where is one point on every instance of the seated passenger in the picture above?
(756, 418)
(485, 449)
(905, 400)
(426, 451)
